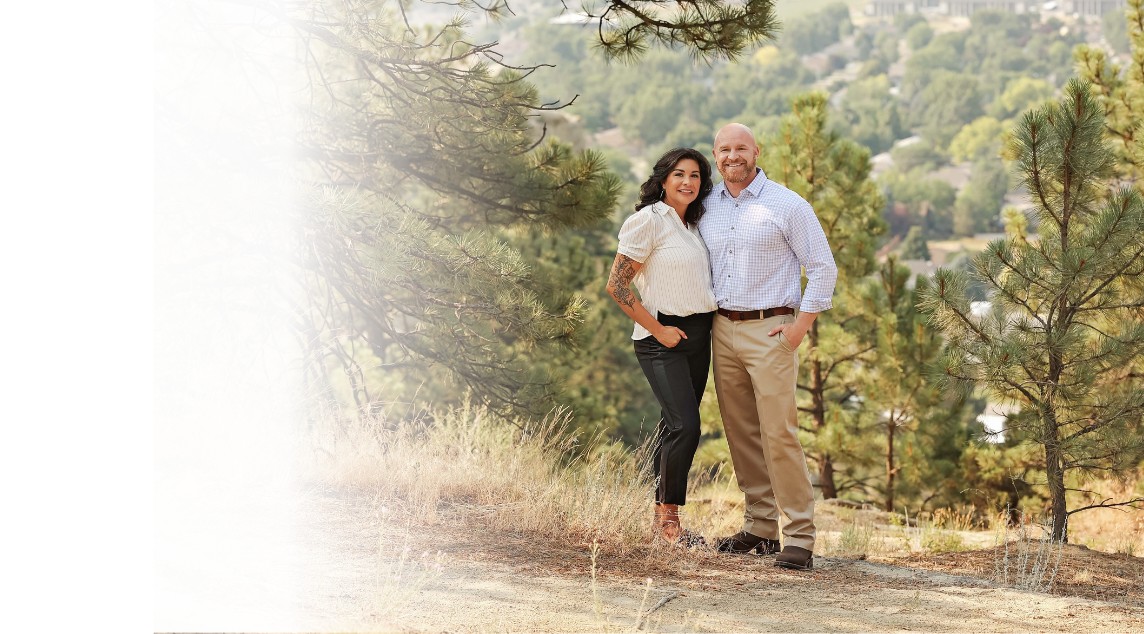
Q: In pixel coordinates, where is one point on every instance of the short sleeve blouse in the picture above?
(676, 274)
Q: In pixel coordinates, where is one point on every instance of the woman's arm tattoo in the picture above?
(622, 273)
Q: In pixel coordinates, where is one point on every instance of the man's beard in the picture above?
(736, 174)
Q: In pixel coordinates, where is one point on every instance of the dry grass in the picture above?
(1080, 571)
(466, 466)
(1111, 530)
(585, 509)
(398, 580)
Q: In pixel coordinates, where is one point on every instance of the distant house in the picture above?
(572, 18)
(910, 140)
(1095, 8)
(956, 175)
(994, 418)
(962, 8)
(1019, 198)
(966, 8)
(818, 63)
(924, 268)
(880, 163)
(879, 8)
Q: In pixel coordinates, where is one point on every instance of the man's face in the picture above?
(735, 155)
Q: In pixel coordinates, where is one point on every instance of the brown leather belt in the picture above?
(743, 315)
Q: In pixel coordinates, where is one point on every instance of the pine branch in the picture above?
(1133, 503)
(1113, 276)
(836, 362)
(721, 31)
(1106, 307)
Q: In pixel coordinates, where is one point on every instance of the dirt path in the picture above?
(349, 567)
(500, 598)
(388, 577)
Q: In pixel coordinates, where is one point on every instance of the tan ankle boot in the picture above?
(667, 521)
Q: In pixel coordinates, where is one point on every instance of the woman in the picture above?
(660, 249)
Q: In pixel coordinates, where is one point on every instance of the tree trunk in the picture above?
(1054, 472)
(826, 477)
(1051, 433)
(818, 412)
(891, 427)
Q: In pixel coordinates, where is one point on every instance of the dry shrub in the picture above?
(941, 541)
(954, 519)
(1029, 559)
(856, 540)
(940, 531)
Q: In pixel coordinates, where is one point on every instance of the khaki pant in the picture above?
(755, 379)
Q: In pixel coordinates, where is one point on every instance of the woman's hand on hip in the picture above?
(670, 336)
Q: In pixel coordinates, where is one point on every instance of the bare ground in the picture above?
(366, 570)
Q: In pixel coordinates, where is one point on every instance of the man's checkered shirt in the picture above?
(759, 243)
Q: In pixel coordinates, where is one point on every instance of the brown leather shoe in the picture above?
(795, 558)
(743, 542)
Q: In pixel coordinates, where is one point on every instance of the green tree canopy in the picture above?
(815, 31)
(914, 246)
(654, 109)
(945, 104)
(919, 35)
(978, 141)
(917, 154)
(869, 115)
(927, 202)
(1021, 94)
(978, 205)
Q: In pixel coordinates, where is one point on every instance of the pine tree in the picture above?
(914, 245)
(916, 420)
(1120, 90)
(1064, 324)
(833, 175)
(424, 164)
(599, 377)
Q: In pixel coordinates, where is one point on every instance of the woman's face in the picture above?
(682, 184)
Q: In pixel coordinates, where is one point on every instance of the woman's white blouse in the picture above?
(676, 274)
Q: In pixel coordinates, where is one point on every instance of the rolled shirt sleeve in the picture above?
(808, 242)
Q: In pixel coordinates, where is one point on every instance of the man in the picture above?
(760, 236)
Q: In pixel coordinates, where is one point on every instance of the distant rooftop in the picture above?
(924, 268)
(966, 8)
(571, 18)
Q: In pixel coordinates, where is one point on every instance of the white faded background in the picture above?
(148, 395)
(225, 553)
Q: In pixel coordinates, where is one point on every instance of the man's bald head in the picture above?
(736, 154)
(735, 132)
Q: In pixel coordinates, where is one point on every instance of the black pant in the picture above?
(678, 377)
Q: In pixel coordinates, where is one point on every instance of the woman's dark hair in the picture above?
(652, 189)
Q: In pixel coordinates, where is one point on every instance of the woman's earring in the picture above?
(662, 192)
